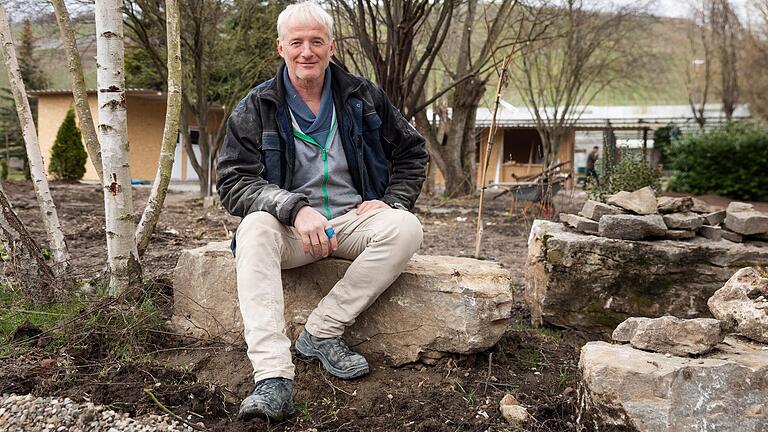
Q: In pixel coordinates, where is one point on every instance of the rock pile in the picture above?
(654, 385)
(641, 215)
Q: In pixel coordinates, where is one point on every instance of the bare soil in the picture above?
(205, 382)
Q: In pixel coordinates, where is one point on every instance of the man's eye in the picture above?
(295, 44)
(317, 43)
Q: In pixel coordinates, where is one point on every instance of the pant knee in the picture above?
(255, 225)
(405, 230)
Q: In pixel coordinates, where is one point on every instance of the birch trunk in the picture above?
(45, 201)
(171, 131)
(37, 281)
(84, 116)
(122, 255)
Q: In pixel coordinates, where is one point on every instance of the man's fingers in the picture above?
(324, 244)
(306, 241)
(317, 250)
(334, 244)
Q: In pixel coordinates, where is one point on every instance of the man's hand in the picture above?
(366, 206)
(311, 226)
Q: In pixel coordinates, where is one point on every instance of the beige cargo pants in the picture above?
(380, 242)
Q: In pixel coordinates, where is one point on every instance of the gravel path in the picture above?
(30, 414)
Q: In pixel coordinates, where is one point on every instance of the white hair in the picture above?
(306, 10)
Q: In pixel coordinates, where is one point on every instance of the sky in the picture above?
(680, 8)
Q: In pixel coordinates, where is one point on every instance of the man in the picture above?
(318, 163)
(591, 159)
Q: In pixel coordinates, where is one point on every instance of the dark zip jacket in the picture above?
(386, 156)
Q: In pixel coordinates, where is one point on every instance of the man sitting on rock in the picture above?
(318, 163)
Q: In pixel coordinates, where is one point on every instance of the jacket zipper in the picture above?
(323, 152)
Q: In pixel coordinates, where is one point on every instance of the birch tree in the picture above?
(84, 116)
(168, 149)
(122, 254)
(49, 215)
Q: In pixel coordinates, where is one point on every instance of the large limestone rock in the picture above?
(623, 388)
(674, 205)
(711, 232)
(641, 201)
(632, 227)
(742, 218)
(595, 210)
(742, 303)
(438, 305)
(594, 283)
(683, 221)
(668, 334)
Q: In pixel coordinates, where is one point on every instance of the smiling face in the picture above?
(307, 49)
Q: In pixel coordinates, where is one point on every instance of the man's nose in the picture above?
(306, 50)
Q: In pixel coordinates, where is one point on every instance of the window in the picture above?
(522, 146)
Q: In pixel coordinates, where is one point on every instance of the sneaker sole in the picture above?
(281, 415)
(309, 354)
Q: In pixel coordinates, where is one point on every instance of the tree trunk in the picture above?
(84, 116)
(37, 281)
(47, 207)
(122, 255)
(168, 149)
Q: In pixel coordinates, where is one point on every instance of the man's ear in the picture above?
(279, 47)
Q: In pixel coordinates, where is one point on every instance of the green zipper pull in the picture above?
(325, 155)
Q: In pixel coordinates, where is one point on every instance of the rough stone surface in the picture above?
(711, 232)
(683, 221)
(742, 218)
(595, 210)
(594, 283)
(742, 304)
(679, 234)
(623, 388)
(731, 236)
(632, 227)
(579, 223)
(674, 205)
(438, 305)
(641, 201)
(701, 207)
(512, 411)
(715, 218)
(671, 335)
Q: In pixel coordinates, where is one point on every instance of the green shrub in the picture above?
(731, 161)
(68, 155)
(630, 174)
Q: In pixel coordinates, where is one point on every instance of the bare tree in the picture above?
(698, 72)
(45, 201)
(727, 33)
(122, 255)
(168, 149)
(84, 116)
(756, 60)
(596, 49)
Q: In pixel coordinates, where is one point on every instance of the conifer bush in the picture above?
(68, 154)
(730, 161)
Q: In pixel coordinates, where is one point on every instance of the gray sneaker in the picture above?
(334, 354)
(272, 398)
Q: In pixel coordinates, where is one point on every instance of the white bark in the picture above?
(122, 254)
(84, 116)
(45, 201)
(171, 131)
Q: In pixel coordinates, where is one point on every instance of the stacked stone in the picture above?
(30, 414)
(640, 215)
(653, 383)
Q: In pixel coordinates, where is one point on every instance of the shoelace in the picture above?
(267, 388)
(341, 349)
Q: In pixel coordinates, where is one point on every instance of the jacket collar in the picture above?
(344, 84)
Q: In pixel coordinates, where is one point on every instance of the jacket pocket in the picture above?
(272, 155)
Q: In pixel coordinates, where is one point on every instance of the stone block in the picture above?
(711, 232)
(674, 204)
(595, 210)
(439, 304)
(594, 283)
(715, 218)
(701, 207)
(632, 227)
(675, 234)
(623, 388)
(579, 223)
(668, 334)
(742, 218)
(731, 236)
(683, 221)
(742, 303)
(641, 201)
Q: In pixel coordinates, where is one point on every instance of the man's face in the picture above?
(306, 49)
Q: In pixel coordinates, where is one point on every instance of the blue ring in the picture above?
(330, 232)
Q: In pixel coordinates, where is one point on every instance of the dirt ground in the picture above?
(205, 382)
